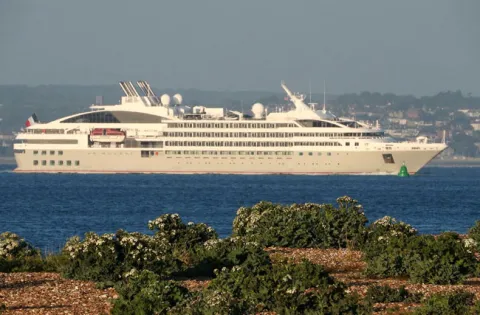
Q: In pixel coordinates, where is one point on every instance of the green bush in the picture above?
(457, 303)
(147, 293)
(302, 225)
(444, 260)
(386, 294)
(219, 253)
(473, 239)
(17, 255)
(282, 288)
(387, 245)
(393, 249)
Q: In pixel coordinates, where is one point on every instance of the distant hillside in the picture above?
(49, 102)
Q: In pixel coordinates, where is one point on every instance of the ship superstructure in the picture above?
(151, 134)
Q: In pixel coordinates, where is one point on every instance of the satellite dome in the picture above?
(177, 99)
(165, 99)
(258, 110)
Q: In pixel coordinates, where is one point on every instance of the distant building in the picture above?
(413, 113)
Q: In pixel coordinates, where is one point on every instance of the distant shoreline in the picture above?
(7, 160)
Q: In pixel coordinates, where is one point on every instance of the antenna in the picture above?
(310, 89)
(324, 93)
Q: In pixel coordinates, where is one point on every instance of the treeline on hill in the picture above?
(245, 279)
(54, 101)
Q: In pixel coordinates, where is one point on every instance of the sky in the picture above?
(405, 47)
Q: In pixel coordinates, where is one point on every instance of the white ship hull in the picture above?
(130, 161)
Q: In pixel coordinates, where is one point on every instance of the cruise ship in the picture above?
(147, 133)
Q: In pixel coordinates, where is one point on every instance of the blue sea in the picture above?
(46, 209)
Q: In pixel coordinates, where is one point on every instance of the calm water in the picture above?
(46, 209)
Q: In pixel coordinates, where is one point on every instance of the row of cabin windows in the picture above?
(246, 144)
(273, 134)
(230, 125)
(53, 163)
(265, 153)
(45, 152)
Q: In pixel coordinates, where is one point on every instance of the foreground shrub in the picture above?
(444, 260)
(393, 249)
(18, 255)
(386, 294)
(302, 225)
(108, 257)
(282, 288)
(147, 293)
(387, 246)
(219, 253)
(457, 303)
(473, 239)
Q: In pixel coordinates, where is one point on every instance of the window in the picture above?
(77, 163)
(52, 163)
(310, 153)
(145, 154)
(52, 152)
(69, 163)
(347, 143)
(388, 158)
(60, 162)
(329, 153)
(300, 153)
(35, 153)
(356, 144)
(44, 162)
(60, 152)
(44, 152)
(35, 162)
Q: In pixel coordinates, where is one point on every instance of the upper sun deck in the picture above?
(151, 109)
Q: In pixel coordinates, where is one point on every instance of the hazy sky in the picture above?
(409, 46)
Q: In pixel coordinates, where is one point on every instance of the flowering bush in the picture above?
(474, 236)
(109, 257)
(13, 246)
(386, 247)
(302, 225)
(17, 255)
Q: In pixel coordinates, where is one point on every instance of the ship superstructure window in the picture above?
(44, 152)
(35, 162)
(60, 162)
(115, 118)
(93, 117)
(60, 152)
(77, 163)
(35, 152)
(317, 123)
(69, 163)
(356, 144)
(52, 152)
(388, 158)
(44, 162)
(52, 163)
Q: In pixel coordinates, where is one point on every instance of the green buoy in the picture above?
(403, 171)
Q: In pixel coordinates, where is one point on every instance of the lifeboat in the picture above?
(107, 135)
